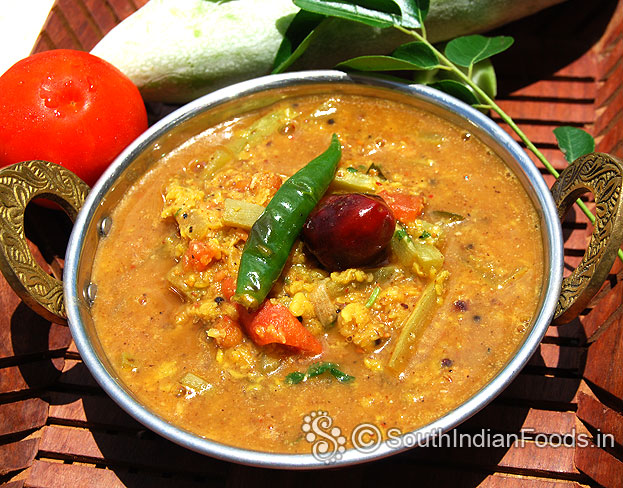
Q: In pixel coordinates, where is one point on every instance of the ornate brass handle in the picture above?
(602, 175)
(19, 184)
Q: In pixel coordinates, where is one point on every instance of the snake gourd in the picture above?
(178, 50)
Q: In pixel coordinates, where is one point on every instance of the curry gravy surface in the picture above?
(155, 317)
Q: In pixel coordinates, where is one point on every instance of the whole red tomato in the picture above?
(68, 107)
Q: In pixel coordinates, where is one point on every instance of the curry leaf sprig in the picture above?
(460, 59)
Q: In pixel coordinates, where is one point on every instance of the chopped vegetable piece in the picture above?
(432, 137)
(384, 273)
(240, 213)
(426, 258)
(514, 275)
(414, 325)
(228, 287)
(324, 308)
(128, 362)
(199, 255)
(353, 181)
(225, 332)
(273, 234)
(406, 207)
(269, 364)
(195, 383)
(259, 130)
(448, 217)
(432, 232)
(375, 170)
(273, 323)
(373, 296)
(317, 369)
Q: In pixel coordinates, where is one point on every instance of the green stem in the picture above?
(446, 63)
(423, 28)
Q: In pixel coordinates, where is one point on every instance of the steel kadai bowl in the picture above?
(75, 296)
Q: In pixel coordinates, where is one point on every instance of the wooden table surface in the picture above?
(59, 429)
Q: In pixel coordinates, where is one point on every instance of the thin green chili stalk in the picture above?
(490, 103)
(373, 296)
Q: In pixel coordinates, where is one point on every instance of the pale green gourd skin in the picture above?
(178, 50)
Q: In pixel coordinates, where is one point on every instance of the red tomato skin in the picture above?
(68, 107)
(406, 207)
(273, 323)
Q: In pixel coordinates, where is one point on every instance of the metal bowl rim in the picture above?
(308, 461)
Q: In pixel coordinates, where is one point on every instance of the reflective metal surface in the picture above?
(223, 104)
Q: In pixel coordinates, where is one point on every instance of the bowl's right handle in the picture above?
(19, 184)
(602, 175)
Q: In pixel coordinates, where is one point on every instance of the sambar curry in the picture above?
(410, 283)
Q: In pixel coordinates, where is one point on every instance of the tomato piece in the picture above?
(68, 107)
(199, 255)
(273, 323)
(230, 333)
(228, 287)
(405, 206)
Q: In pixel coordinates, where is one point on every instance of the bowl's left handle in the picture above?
(19, 184)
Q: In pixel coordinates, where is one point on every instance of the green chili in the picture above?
(272, 236)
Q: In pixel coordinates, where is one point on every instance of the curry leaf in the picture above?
(457, 90)
(410, 56)
(467, 50)
(351, 11)
(574, 142)
(299, 34)
(413, 12)
(418, 53)
(376, 13)
(463, 52)
(378, 63)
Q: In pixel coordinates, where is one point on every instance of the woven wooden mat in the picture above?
(58, 428)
